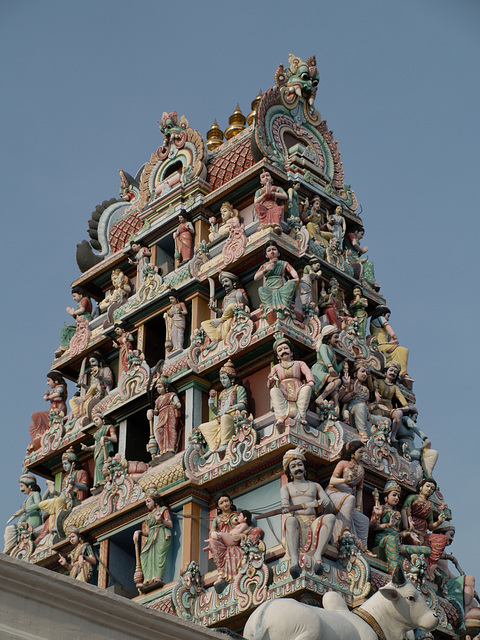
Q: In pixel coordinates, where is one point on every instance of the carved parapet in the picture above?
(186, 592)
(131, 383)
(355, 565)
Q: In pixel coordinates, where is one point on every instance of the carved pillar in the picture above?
(103, 564)
(194, 414)
(122, 438)
(200, 310)
(141, 338)
(195, 531)
(201, 231)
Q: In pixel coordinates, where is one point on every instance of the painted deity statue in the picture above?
(358, 308)
(356, 399)
(269, 203)
(235, 297)
(81, 559)
(124, 342)
(228, 215)
(95, 385)
(304, 299)
(293, 206)
(277, 293)
(387, 340)
(142, 255)
(175, 321)
(74, 489)
(105, 439)
(56, 395)
(290, 382)
(219, 431)
(164, 417)
(389, 400)
(332, 304)
(83, 313)
(304, 532)
(418, 518)
(326, 371)
(345, 490)
(183, 237)
(362, 267)
(29, 513)
(386, 522)
(316, 225)
(116, 296)
(406, 446)
(155, 538)
(336, 223)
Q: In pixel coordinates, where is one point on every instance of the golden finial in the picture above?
(214, 136)
(252, 113)
(236, 123)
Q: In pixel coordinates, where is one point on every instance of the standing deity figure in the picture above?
(277, 293)
(95, 385)
(115, 297)
(268, 203)
(332, 304)
(105, 438)
(164, 417)
(389, 400)
(142, 255)
(56, 394)
(387, 340)
(83, 313)
(155, 538)
(418, 518)
(345, 490)
(183, 237)
(235, 297)
(293, 210)
(29, 513)
(229, 216)
(124, 342)
(311, 272)
(81, 559)
(406, 446)
(219, 431)
(386, 522)
(326, 371)
(316, 226)
(74, 489)
(290, 382)
(175, 321)
(356, 399)
(336, 223)
(304, 532)
(358, 307)
(362, 268)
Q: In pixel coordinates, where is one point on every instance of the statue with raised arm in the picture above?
(123, 340)
(235, 297)
(311, 273)
(269, 203)
(316, 225)
(389, 399)
(290, 382)
(56, 395)
(304, 532)
(81, 559)
(105, 438)
(116, 296)
(387, 340)
(327, 371)
(29, 513)
(94, 386)
(229, 216)
(83, 313)
(219, 431)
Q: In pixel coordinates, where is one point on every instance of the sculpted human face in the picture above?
(225, 212)
(97, 421)
(334, 339)
(391, 374)
(224, 504)
(50, 383)
(393, 498)
(160, 388)
(297, 469)
(357, 456)
(316, 205)
(150, 503)
(362, 374)
(265, 178)
(93, 362)
(272, 253)
(73, 538)
(66, 464)
(357, 292)
(227, 284)
(284, 352)
(77, 296)
(225, 380)
(427, 489)
(24, 488)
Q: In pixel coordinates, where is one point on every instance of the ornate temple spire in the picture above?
(254, 106)
(236, 123)
(214, 136)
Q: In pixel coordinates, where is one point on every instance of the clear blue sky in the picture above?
(84, 84)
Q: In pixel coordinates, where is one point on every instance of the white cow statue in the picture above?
(389, 614)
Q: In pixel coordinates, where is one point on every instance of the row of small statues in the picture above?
(314, 518)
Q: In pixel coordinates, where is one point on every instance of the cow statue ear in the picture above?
(391, 593)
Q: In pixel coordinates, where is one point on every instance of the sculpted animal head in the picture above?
(300, 79)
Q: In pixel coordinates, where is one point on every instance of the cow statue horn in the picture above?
(398, 577)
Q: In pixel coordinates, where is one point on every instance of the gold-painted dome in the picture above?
(236, 123)
(254, 105)
(214, 136)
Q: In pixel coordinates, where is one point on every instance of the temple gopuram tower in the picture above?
(243, 426)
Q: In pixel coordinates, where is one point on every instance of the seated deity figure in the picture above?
(316, 226)
(269, 203)
(387, 340)
(116, 296)
(235, 297)
(326, 371)
(386, 521)
(362, 268)
(29, 513)
(332, 304)
(97, 383)
(74, 489)
(56, 395)
(389, 400)
(81, 559)
(304, 533)
(219, 431)
(277, 293)
(304, 299)
(407, 447)
(229, 216)
(336, 223)
(290, 382)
